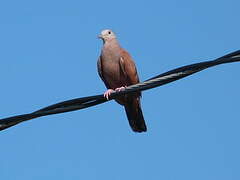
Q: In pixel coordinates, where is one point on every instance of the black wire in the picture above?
(85, 102)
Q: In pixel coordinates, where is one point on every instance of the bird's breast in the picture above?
(112, 72)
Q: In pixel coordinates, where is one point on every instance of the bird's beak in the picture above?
(99, 36)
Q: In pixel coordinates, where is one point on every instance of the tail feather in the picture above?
(135, 115)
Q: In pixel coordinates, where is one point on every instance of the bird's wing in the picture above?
(132, 101)
(128, 68)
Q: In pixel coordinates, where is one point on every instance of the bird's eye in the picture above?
(109, 32)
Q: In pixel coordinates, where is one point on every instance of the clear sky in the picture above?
(48, 53)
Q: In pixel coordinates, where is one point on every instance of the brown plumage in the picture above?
(117, 70)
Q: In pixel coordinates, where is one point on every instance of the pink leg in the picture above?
(107, 93)
(120, 88)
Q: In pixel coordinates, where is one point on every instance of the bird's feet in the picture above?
(107, 93)
(120, 88)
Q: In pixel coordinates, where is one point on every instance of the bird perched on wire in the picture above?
(117, 70)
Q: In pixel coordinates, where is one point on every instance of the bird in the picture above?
(117, 70)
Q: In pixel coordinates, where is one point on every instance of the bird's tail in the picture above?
(135, 115)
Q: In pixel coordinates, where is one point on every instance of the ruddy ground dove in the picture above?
(117, 70)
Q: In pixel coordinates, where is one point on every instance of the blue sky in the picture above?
(48, 53)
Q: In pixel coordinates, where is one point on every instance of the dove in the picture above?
(117, 70)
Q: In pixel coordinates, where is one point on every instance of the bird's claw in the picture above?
(107, 93)
(120, 88)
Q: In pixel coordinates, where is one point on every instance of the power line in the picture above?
(85, 102)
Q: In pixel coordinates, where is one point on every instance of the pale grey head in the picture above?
(107, 35)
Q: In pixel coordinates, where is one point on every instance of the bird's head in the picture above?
(106, 35)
